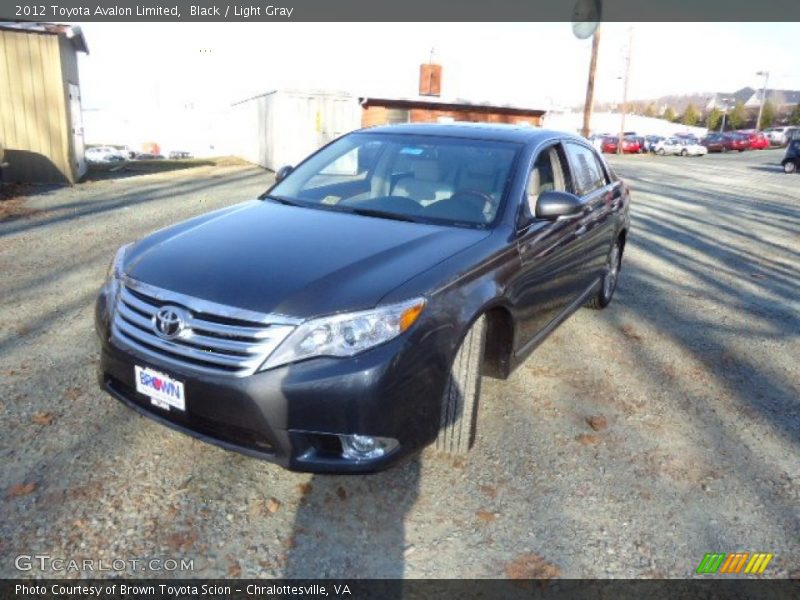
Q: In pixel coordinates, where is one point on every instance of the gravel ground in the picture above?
(672, 430)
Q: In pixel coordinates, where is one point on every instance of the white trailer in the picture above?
(284, 126)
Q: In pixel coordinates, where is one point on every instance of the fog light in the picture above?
(366, 447)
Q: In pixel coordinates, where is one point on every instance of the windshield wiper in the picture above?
(371, 212)
(281, 199)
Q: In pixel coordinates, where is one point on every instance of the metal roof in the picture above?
(449, 103)
(72, 32)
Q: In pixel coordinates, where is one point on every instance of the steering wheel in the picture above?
(477, 199)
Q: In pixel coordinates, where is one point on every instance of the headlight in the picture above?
(112, 277)
(346, 334)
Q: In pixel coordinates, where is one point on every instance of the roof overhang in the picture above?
(72, 33)
(432, 103)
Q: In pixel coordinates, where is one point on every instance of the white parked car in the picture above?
(103, 154)
(681, 147)
(779, 136)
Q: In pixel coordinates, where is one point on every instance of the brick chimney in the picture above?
(430, 80)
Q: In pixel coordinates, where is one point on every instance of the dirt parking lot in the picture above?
(634, 441)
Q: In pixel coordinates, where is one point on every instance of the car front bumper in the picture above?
(293, 415)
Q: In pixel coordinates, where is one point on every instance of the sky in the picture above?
(143, 66)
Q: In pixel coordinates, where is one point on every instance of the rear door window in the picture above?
(587, 172)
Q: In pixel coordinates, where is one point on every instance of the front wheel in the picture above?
(660, 152)
(459, 416)
(613, 265)
(683, 153)
(789, 167)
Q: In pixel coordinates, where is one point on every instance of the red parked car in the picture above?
(736, 141)
(629, 145)
(758, 141)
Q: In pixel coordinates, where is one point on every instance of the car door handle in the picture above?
(581, 230)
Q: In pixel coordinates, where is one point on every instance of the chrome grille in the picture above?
(215, 338)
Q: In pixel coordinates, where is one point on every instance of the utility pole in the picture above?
(765, 75)
(588, 107)
(625, 91)
(726, 103)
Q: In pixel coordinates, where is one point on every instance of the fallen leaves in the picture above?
(341, 492)
(15, 208)
(485, 516)
(21, 489)
(489, 490)
(597, 422)
(588, 439)
(234, 569)
(531, 566)
(273, 505)
(181, 540)
(304, 489)
(43, 418)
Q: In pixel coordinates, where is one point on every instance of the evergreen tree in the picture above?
(691, 116)
(794, 118)
(714, 118)
(737, 116)
(767, 116)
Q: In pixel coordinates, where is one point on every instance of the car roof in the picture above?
(524, 134)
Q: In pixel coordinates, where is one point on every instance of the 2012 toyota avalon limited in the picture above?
(343, 320)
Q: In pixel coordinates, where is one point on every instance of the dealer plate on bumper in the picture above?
(163, 391)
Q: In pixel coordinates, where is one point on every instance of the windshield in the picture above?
(417, 178)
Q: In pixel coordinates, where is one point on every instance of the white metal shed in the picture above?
(284, 126)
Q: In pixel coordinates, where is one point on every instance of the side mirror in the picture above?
(283, 172)
(551, 205)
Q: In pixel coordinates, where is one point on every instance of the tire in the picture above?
(660, 152)
(724, 149)
(683, 152)
(613, 265)
(789, 167)
(459, 415)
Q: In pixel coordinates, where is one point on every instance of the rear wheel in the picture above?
(789, 167)
(660, 152)
(606, 293)
(683, 152)
(460, 402)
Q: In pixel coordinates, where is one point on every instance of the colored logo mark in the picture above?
(739, 562)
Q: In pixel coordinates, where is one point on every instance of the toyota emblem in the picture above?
(169, 322)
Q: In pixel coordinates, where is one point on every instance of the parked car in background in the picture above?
(652, 141)
(641, 140)
(611, 143)
(758, 141)
(342, 321)
(179, 154)
(780, 136)
(680, 147)
(791, 160)
(714, 142)
(736, 141)
(687, 136)
(103, 154)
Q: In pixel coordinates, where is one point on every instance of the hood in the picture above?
(300, 262)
